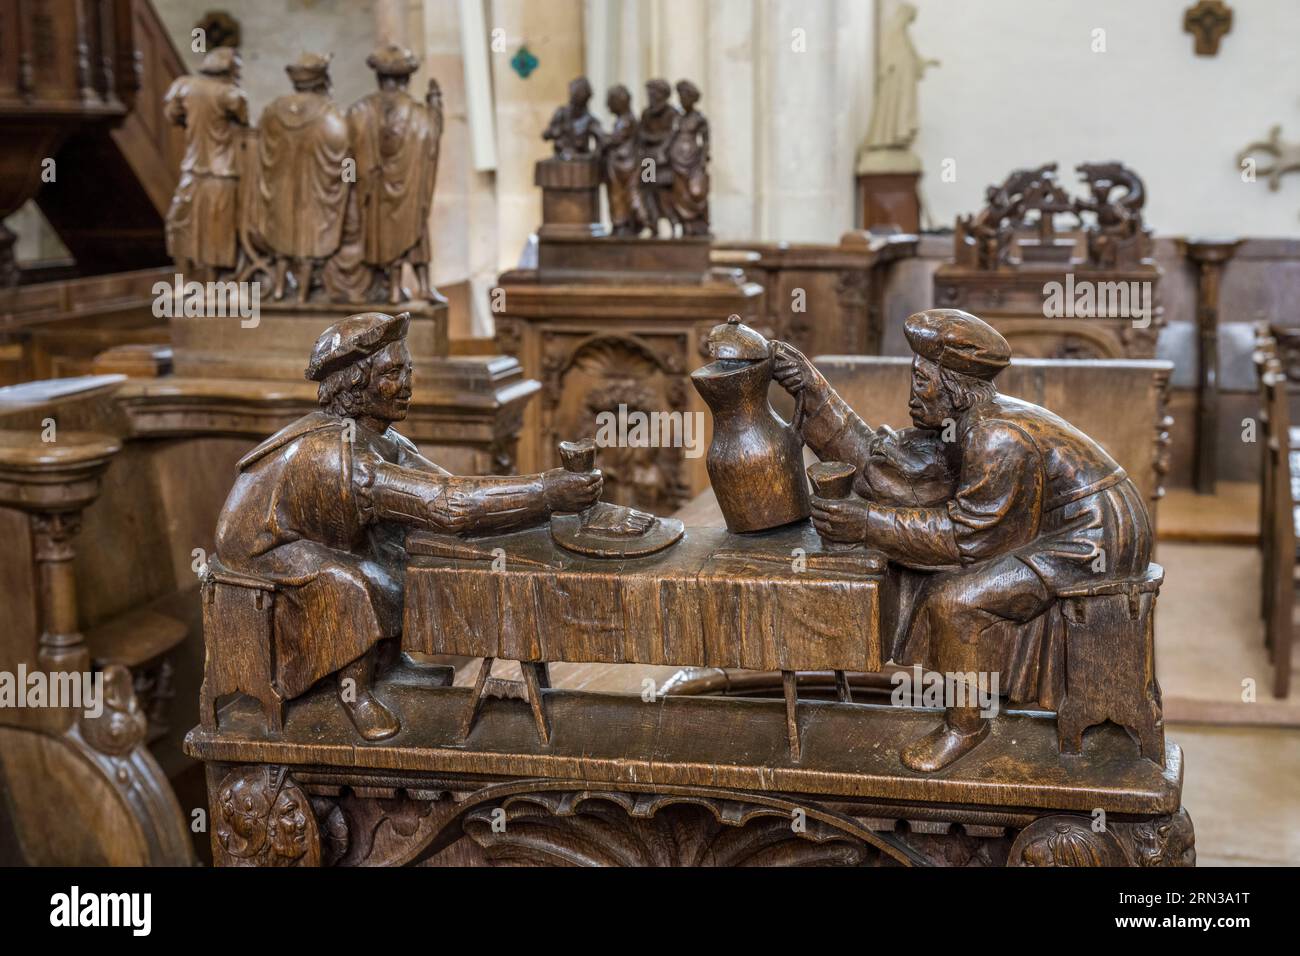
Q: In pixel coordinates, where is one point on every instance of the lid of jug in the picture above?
(735, 340)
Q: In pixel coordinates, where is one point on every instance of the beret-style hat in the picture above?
(309, 66)
(351, 340)
(958, 341)
(393, 60)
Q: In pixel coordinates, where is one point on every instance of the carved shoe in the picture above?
(372, 719)
(941, 747)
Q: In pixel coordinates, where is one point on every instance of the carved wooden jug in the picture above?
(755, 461)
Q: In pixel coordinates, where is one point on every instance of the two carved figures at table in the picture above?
(1028, 201)
(337, 200)
(653, 168)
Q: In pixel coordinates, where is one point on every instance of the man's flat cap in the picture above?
(353, 339)
(308, 67)
(393, 60)
(958, 341)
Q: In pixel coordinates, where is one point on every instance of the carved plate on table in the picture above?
(612, 531)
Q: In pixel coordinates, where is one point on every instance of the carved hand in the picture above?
(841, 519)
(793, 370)
(568, 492)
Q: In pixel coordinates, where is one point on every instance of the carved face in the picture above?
(657, 93)
(618, 100)
(929, 405)
(580, 93)
(288, 826)
(388, 395)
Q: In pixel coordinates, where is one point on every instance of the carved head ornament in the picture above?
(393, 60)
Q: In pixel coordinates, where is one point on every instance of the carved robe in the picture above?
(302, 143)
(688, 154)
(654, 133)
(202, 221)
(622, 177)
(395, 142)
(983, 531)
(324, 518)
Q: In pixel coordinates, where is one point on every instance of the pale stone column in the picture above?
(801, 200)
(729, 101)
(553, 31)
(681, 37)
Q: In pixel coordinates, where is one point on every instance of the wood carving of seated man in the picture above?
(987, 509)
(321, 508)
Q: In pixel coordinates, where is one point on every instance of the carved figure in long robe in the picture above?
(301, 188)
(395, 140)
(982, 531)
(688, 153)
(202, 221)
(654, 134)
(322, 506)
(894, 116)
(623, 166)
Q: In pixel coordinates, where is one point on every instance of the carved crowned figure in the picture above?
(301, 189)
(202, 222)
(992, 508)
(395, 140)
(321, 507)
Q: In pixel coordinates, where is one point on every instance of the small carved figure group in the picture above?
(653, 168)
(1116, 237)
(334, 200)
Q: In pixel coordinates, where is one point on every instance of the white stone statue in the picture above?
(888, 146)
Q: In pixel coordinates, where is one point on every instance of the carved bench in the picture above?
(1110, 662)
(236, 606)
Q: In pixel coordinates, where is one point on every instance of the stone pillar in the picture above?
(801, 200)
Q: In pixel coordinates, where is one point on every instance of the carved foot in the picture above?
(945, 744)
(372, 719)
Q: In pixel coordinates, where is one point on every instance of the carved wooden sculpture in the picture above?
(1035, 511)
(688, 154)
(1016, 549)
(310, 539)
(301, 194)
(573, 130)
(623, 166)
(655, 134)
(396, 142)
(1008, 259)
(337, 201)
(202, 222)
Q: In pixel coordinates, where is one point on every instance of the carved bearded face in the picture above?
(387, 395)
(930, 404)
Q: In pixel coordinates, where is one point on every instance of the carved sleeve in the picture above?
(452, 504)
(831, 429)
